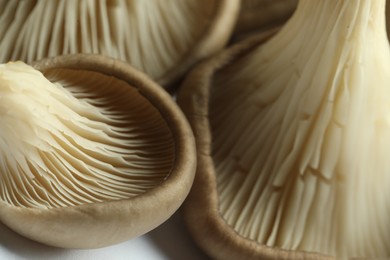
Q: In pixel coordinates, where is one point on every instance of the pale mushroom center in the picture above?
(87, 138)
(152, 35)
(301, 133)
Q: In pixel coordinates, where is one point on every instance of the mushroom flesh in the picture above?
(298, 135)
(88, 153)
(160, 37)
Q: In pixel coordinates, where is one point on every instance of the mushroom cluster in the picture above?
(90, 146)
(290, 128)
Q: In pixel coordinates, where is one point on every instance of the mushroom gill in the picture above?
(90, 149)
(301, 151)
(160, 37)
(76, 141)
(297, 138)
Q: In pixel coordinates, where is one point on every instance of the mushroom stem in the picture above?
(301, 152)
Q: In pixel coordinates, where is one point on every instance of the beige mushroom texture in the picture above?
(64, 147)
(301, 133)
(159, 37)
(90, 149)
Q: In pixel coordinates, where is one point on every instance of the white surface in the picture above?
(168, 241)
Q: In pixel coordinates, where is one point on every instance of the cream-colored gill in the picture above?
(78, 141)
(152, 35)
(301, 133)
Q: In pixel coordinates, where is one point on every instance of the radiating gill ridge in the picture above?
(152, 35)
(301, 133)
(87, 138)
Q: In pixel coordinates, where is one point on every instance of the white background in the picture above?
(168, 241)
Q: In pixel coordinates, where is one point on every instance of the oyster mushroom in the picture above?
(163, 38)
(92, 152)
(293, 138)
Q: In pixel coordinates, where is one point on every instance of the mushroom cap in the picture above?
(162, 38)
(293, 137)
(144, 189)
(207, 226)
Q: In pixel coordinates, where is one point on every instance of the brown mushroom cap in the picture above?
(162, 38)
(105, 199)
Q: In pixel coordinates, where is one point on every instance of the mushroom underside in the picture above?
(92, 138)
(156, 37)
(292, 138)
(300, 135)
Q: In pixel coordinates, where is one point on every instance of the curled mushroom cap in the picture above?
(92, 152)
(293, 138)
(160, 37)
